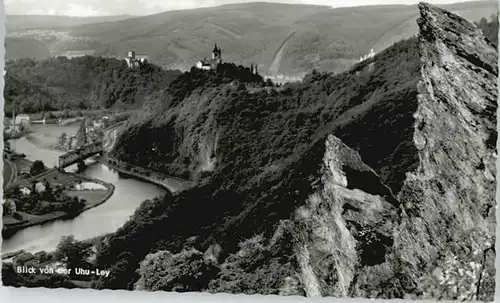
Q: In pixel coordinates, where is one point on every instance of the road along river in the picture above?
(106, 218)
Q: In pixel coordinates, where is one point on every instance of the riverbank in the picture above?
(172, 184)
(9, 229)
(9, 173)
(128, 194)
(15, 134)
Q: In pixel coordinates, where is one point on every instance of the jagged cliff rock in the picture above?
(440, 242)
(345, 225)
(449, 200)
(379, 182)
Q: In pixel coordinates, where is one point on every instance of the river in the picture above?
(106, 218)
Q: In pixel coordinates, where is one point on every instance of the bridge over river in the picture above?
(80, 154)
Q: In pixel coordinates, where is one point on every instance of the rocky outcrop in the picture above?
(435, 238)
(449, 200)
(441, 242)
(346, 224)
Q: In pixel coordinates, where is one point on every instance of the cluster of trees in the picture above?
(80, 83)
(71, 252)
(82, 137)
(65, 142)
(81, 134)
(37, 168)
(14, 279)
(196, 78)
(242, 272)
(9, 208)
(22, 96)
(43, 199)
(74, 254)
(185, 271)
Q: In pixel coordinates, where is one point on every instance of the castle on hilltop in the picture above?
(212, 63)
(134, 60)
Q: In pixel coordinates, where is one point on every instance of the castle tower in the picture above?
(216, 53)
(131, 61)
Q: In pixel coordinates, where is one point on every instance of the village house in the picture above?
(367, 56)
(22, 120)
(25, 191)
(212, 63)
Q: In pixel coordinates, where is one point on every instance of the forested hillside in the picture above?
(27, 98)
(339, 185)
(257, 128)
(82, 83)
(258, 150)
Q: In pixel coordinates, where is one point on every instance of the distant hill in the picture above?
(39, 37)
(24, 22)
(19, 48)
(282, 38)
(289, 39)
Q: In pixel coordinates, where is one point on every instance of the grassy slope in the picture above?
(85, 82)
(315, 36)
(270, 145)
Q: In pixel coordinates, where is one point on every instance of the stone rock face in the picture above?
(342, 227)
(435, 237)
(449, 201)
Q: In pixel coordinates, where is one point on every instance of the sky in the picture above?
(86, 8)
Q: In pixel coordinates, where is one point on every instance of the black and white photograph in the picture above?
(310, 148)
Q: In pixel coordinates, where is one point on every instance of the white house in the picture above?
(25, 191)
(371, 54)
(22, 120)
